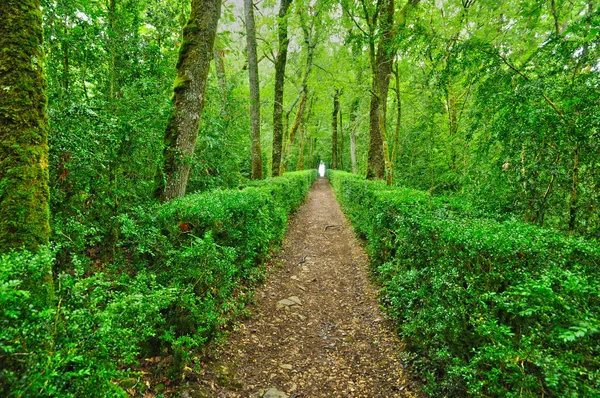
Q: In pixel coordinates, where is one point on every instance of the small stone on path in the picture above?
(288, 302)
(274, 393)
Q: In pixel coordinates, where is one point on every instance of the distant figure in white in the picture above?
(322, 169)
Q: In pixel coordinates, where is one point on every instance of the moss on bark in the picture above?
(188, 97)
(24, 190)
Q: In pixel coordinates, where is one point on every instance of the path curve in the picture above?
(316, 329)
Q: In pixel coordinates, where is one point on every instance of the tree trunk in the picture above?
(310, 41)
(65, 50)
(341, 140)
(188, 98)
(112, 73)
(379, 156)
(378, 150)
(375, 163)
(279, 85)
(297, 118)
(334, 126)
(353, 124)
(257, 168)
(300, 165)
(24, 190)
(385, 61)
(574, 191)
(390, 176)
(220, 68)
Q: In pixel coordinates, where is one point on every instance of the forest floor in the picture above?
(316, 329)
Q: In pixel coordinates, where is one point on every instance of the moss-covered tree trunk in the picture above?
(279, 84)
(257, 168)
(23, 136)
(379, 162)
(188, 97)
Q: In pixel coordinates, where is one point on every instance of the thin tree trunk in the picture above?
(353, 125)
(220, 68)
(188, 99)
(297, 118)
(24, 194)
(555, 16)
(112, 73)
(257, 172)
(385, 61)
(280, 63)
(300, 165)
(334, 127)
(523, 176)
(65, 51)
(341, 141)
(574, 191)
(310, 41)
(390, 176)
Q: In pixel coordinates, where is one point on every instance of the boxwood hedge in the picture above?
(186, 269)
(486, 307)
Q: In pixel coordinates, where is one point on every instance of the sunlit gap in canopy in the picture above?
(322, 169)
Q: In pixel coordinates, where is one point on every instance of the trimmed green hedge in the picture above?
(486, 307)
(187, 268)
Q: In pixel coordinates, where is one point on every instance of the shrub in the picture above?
(78, 343)
(486, 307)
(176, 286)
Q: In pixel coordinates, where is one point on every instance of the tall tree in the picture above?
(257, 172)
(280, 62)
(381, 67)
(24, 190)
(221, 76)
(353, 126)
(334, 129)
(188, 97)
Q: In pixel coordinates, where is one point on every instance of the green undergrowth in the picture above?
(187, 268)
(486, 307)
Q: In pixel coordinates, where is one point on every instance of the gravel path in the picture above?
(316, 328)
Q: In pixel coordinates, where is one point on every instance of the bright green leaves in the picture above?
(487, 307)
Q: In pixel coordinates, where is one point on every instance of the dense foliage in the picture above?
(493, 107)
(485, 307)
(187, 270)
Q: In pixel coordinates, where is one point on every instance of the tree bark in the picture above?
(300, 165)
(381, 77)
(188, 98)
(279, 85)
(341, 140)
(112, 73)
(334, 126)
(257, 168)
(353, 124)
(311, 42)
(574, 191)
(220, 68)
(379, 157)
(24, 194)
(390, 175)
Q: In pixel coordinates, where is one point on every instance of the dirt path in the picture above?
(316, 329)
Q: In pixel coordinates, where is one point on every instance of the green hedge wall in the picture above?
(487, 307)
(187, 268)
